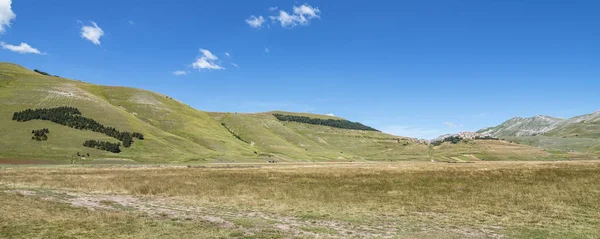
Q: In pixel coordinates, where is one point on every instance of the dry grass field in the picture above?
(533, 199)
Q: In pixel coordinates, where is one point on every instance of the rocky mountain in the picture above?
(524, 126)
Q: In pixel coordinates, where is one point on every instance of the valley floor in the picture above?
(514, 199)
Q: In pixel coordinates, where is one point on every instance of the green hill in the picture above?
(299, 141)
(174, 132)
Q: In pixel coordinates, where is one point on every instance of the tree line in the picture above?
(71, 117)
(40, 134)
(455, 139)
(103, 145)
(451, 139)
(43, 73)
(233, 133)
(336, 123)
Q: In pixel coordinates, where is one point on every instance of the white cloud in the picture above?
(450, 125)
(179, 73)
(301, 16)
(255, 22)
(24, 48)
(208, 55)
(273, 8)
(92, 33)
(227, 54)
(233, 64)
(330, 114)
(207, 61)
(6, 15)
(308, 11)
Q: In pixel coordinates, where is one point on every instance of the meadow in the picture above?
(512, 199)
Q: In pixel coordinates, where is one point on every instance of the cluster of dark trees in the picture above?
(103, 145)
(40, 134)
(456, 139)
(71, 117)
(487, 137)
(451, 139)
(43, 73)
(337, 123)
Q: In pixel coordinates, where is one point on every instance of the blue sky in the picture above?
(411, 68)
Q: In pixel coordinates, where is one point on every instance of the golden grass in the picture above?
(522, 199)
(25, 217)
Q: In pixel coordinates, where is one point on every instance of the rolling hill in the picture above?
(174, 132)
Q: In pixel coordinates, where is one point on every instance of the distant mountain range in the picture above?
(585, 126)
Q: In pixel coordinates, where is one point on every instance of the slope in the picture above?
(584, 126)
(173, 131)
(300, 141)
(497, 150)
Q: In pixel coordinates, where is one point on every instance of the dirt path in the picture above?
(250, 222)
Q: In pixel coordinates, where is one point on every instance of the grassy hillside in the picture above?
(577, 144)
(175, 132)
(299, 141)
(584, 126)
(497, 150)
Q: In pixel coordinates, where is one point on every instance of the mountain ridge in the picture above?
(519, 126)
(587, 125)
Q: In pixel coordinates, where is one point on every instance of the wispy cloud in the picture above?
(23, 48)
(6, 15)
(255, 22)
(235, 65)
(131, 22)
(273, 8)
(207, 61)
(267, 50)
(301, 15)
(179, 73)
(92, 33)
(450, 125)
(227, 54)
